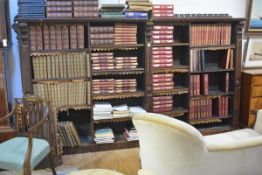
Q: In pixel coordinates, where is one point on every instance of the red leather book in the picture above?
(162, 65)
(163, 7)
(160, 88)
(156, 27)
(163, 41)
(163, 75)
(162, 84)
(204, 82)
(161, 61)
(162, 37)
(161, 14)
(162, 102)
(162, 32)
(162, 52)
(160, 98)
(162, 56)
(161, 49)
(65, 37)
(46, 37)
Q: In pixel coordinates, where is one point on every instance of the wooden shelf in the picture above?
(216, 129)
(177, 112)
(60, 79)
(195, 19)
(101, 147)
(118, 95)
(174, 69)
(117, 47)
(178, 90)
(170, 45)
(75, 107)
(113, 120)
(210, 70)
(81, 20)
(214, 47)
(213, 119)
(56, 51)
(136, 71)
(213, 94)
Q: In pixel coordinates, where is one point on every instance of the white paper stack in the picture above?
(102, 110)
(120, 111)
(104, 135)
(131, 134)
(136, 110)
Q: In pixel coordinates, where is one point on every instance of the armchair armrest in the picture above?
(233, 144)
(258, 124)
(145, 172)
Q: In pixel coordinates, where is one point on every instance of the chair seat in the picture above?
(232, 135)
(14, 150)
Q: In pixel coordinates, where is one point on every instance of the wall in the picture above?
(236, 8)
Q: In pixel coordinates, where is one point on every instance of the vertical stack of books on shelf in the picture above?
(112, 11)
(138, 9)
(59, 9)
(102, 60)
(162, 57)
(211, 66)
(102, 110)
(163, 104)
(69, 134)
(163, 34)
(31, 9)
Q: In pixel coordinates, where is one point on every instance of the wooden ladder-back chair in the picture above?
(33, 137)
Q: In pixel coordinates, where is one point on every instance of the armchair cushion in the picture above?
(14, 150)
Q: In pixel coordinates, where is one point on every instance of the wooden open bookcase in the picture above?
(204, 69)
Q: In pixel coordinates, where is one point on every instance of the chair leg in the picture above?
(51, 157)
(27, 170)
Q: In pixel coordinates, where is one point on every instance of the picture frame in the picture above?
(254, 17)
(253, 57)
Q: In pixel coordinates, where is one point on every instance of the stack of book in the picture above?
(162, 104)
(112, 10)
(138, 9)
(162, 34)
(162, 57)
(221, 106)
(103, 86)
(58, 9)
(104, 135)
(210, 34)
(126, 62)
(68, 133)
(199, 84)
(76, 92)
(125, 85)
(61, 65)
(85, 8)
(131, 134)
(77, 33)
(163, 82)
(102, 60)
(56, 37)
(102, 110)
(200, 109)
(102, 35)
(125, 33)
(120, 111)
(36, 37)
(162, 10)
(31, 9)
(133, 110)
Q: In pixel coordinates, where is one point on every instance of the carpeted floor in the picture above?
(125, 161)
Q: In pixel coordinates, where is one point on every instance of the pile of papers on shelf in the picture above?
(136, 110)
(102, 110)
(120, 111)
(104, 135)
(130, 134)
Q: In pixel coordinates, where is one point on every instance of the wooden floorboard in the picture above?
(124, 160)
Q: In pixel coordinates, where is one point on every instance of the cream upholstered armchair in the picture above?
(169, 146)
